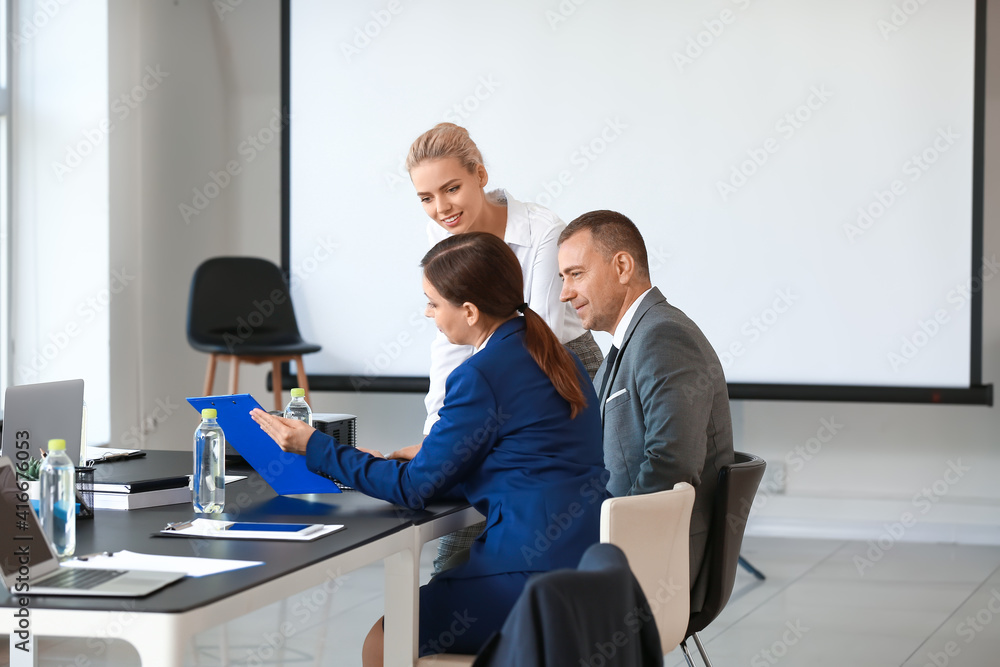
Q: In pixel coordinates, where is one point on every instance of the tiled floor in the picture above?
(823, 603)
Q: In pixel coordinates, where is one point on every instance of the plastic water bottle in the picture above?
(297, 408)
(209, 480)
(58, 499)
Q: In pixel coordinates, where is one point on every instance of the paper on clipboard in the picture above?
(215, 528)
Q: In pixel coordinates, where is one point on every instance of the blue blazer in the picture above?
(506, 443)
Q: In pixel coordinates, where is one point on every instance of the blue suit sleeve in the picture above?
(466, 432)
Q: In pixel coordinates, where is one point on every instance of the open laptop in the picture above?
(20, 532)
(36, 413)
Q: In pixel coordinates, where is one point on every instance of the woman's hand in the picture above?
(291, 435)
(374, 452)
(405, 454)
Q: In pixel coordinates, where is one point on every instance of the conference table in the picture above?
(160, 625)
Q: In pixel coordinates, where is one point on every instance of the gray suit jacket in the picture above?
(666, 416)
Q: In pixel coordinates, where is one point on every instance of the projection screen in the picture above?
(807, 175)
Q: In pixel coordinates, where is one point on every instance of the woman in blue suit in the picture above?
(519, 437)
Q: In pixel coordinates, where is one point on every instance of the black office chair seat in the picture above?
(245, 350)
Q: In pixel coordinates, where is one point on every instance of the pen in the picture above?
(107, 458)
(179, 525)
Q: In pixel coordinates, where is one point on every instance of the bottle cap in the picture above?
(298, 392)
(55, 445)
(209, 413)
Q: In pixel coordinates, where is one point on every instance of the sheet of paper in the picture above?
(189, 565)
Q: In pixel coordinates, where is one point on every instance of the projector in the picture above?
(343, 428)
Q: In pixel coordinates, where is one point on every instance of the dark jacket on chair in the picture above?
(596, 614)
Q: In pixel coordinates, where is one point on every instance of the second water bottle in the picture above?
(297, 408)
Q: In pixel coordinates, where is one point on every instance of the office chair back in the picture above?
(737, 487)
(241, 305)
(652, 530)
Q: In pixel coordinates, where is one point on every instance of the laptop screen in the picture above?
(45, 411)
(20, 529)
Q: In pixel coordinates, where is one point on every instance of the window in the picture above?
(57, 247)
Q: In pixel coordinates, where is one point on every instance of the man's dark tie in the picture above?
(612, 353)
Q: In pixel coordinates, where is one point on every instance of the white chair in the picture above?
(652, 530)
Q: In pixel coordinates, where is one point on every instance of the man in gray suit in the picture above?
(664, 401)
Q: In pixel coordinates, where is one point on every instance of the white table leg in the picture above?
(402, 578)
(18, 656)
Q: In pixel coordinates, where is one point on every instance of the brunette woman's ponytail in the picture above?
(555, 360)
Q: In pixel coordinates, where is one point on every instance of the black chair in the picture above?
(596, 614)
(240, 311)
(737, 487)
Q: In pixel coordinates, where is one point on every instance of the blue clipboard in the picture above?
(286, 473)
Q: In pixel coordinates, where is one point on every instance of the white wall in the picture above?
(223, 84)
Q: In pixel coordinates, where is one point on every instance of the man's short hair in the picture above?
(612, 233)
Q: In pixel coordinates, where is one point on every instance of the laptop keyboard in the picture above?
(76, 578)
